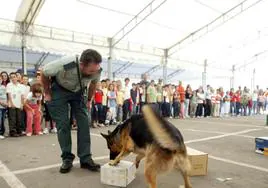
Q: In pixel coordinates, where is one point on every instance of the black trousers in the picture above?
(155, 107)
(208, 107)
(166, 109)
(14, 118)
(126, 109)
(199, 110)
(176, 109)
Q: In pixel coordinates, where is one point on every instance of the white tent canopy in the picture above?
(239, 37)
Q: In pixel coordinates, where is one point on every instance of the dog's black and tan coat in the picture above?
(152, 138)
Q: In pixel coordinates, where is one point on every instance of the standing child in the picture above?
(226, 101)
(119, 102)
(193, 104)
(217, 103)
(3, 109)
(98, 108)
(111, 104)
(15, 93)
(33, 110)
(176, 105)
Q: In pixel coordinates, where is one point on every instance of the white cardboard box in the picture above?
(199, 161)
(120, 175)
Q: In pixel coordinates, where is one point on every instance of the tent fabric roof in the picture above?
(66, 26)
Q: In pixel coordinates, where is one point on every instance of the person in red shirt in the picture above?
(97, 111)
(238, 102)
(233, 102)
(181, 92)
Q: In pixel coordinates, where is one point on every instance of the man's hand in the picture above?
(47, 97)
(46, 84)
(89, 105)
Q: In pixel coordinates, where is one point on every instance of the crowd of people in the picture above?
(115, 101)
(24, 105)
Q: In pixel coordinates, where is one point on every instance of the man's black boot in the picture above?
(90, 165)
(66, 167)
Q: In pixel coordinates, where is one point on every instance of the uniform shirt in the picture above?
(3, 95)
(65, 72)
(33, 100)
(16, 91)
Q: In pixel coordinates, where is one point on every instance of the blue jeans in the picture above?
(255, 107)
(2, 120)
(233, 108)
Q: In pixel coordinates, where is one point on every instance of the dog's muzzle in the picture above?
(113, 155)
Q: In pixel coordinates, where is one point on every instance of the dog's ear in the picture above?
(109, 132)
(104, 135)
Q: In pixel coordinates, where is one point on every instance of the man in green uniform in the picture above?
(68, 81)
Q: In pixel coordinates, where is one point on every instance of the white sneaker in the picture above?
(2, 137)
(46, 131)
(106, 122)
(95, 125)
(100, 125)
(29, 134)
(39, 133)
(54, 130)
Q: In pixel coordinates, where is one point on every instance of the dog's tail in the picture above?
(163, 134)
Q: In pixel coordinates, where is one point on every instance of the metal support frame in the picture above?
(23, 49)
(152, 70)
(122, 68)
(204, 75)
(136, 20)
(110, 58)
(171, 75)
(32, 13)
(232, 77)
(253, 59)
(41, 60)
(253, 80)
(44, 32)
(223, 18)
(165, 66)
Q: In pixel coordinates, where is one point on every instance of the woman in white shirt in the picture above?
(200, 102)
(255, 101)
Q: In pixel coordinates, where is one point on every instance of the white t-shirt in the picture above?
(26, 90)
(200, 98)
(127, 92)
(3, 95)
(16, 91)
(33, 100)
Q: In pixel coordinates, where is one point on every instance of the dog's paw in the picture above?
(137, 164)
(113, 163)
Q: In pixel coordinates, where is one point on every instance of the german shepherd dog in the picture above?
(153, 138)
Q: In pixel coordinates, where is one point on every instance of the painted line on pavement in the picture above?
(52, 166)
(239, 163)
(226, 124)
(10, 177)
(220, 136)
